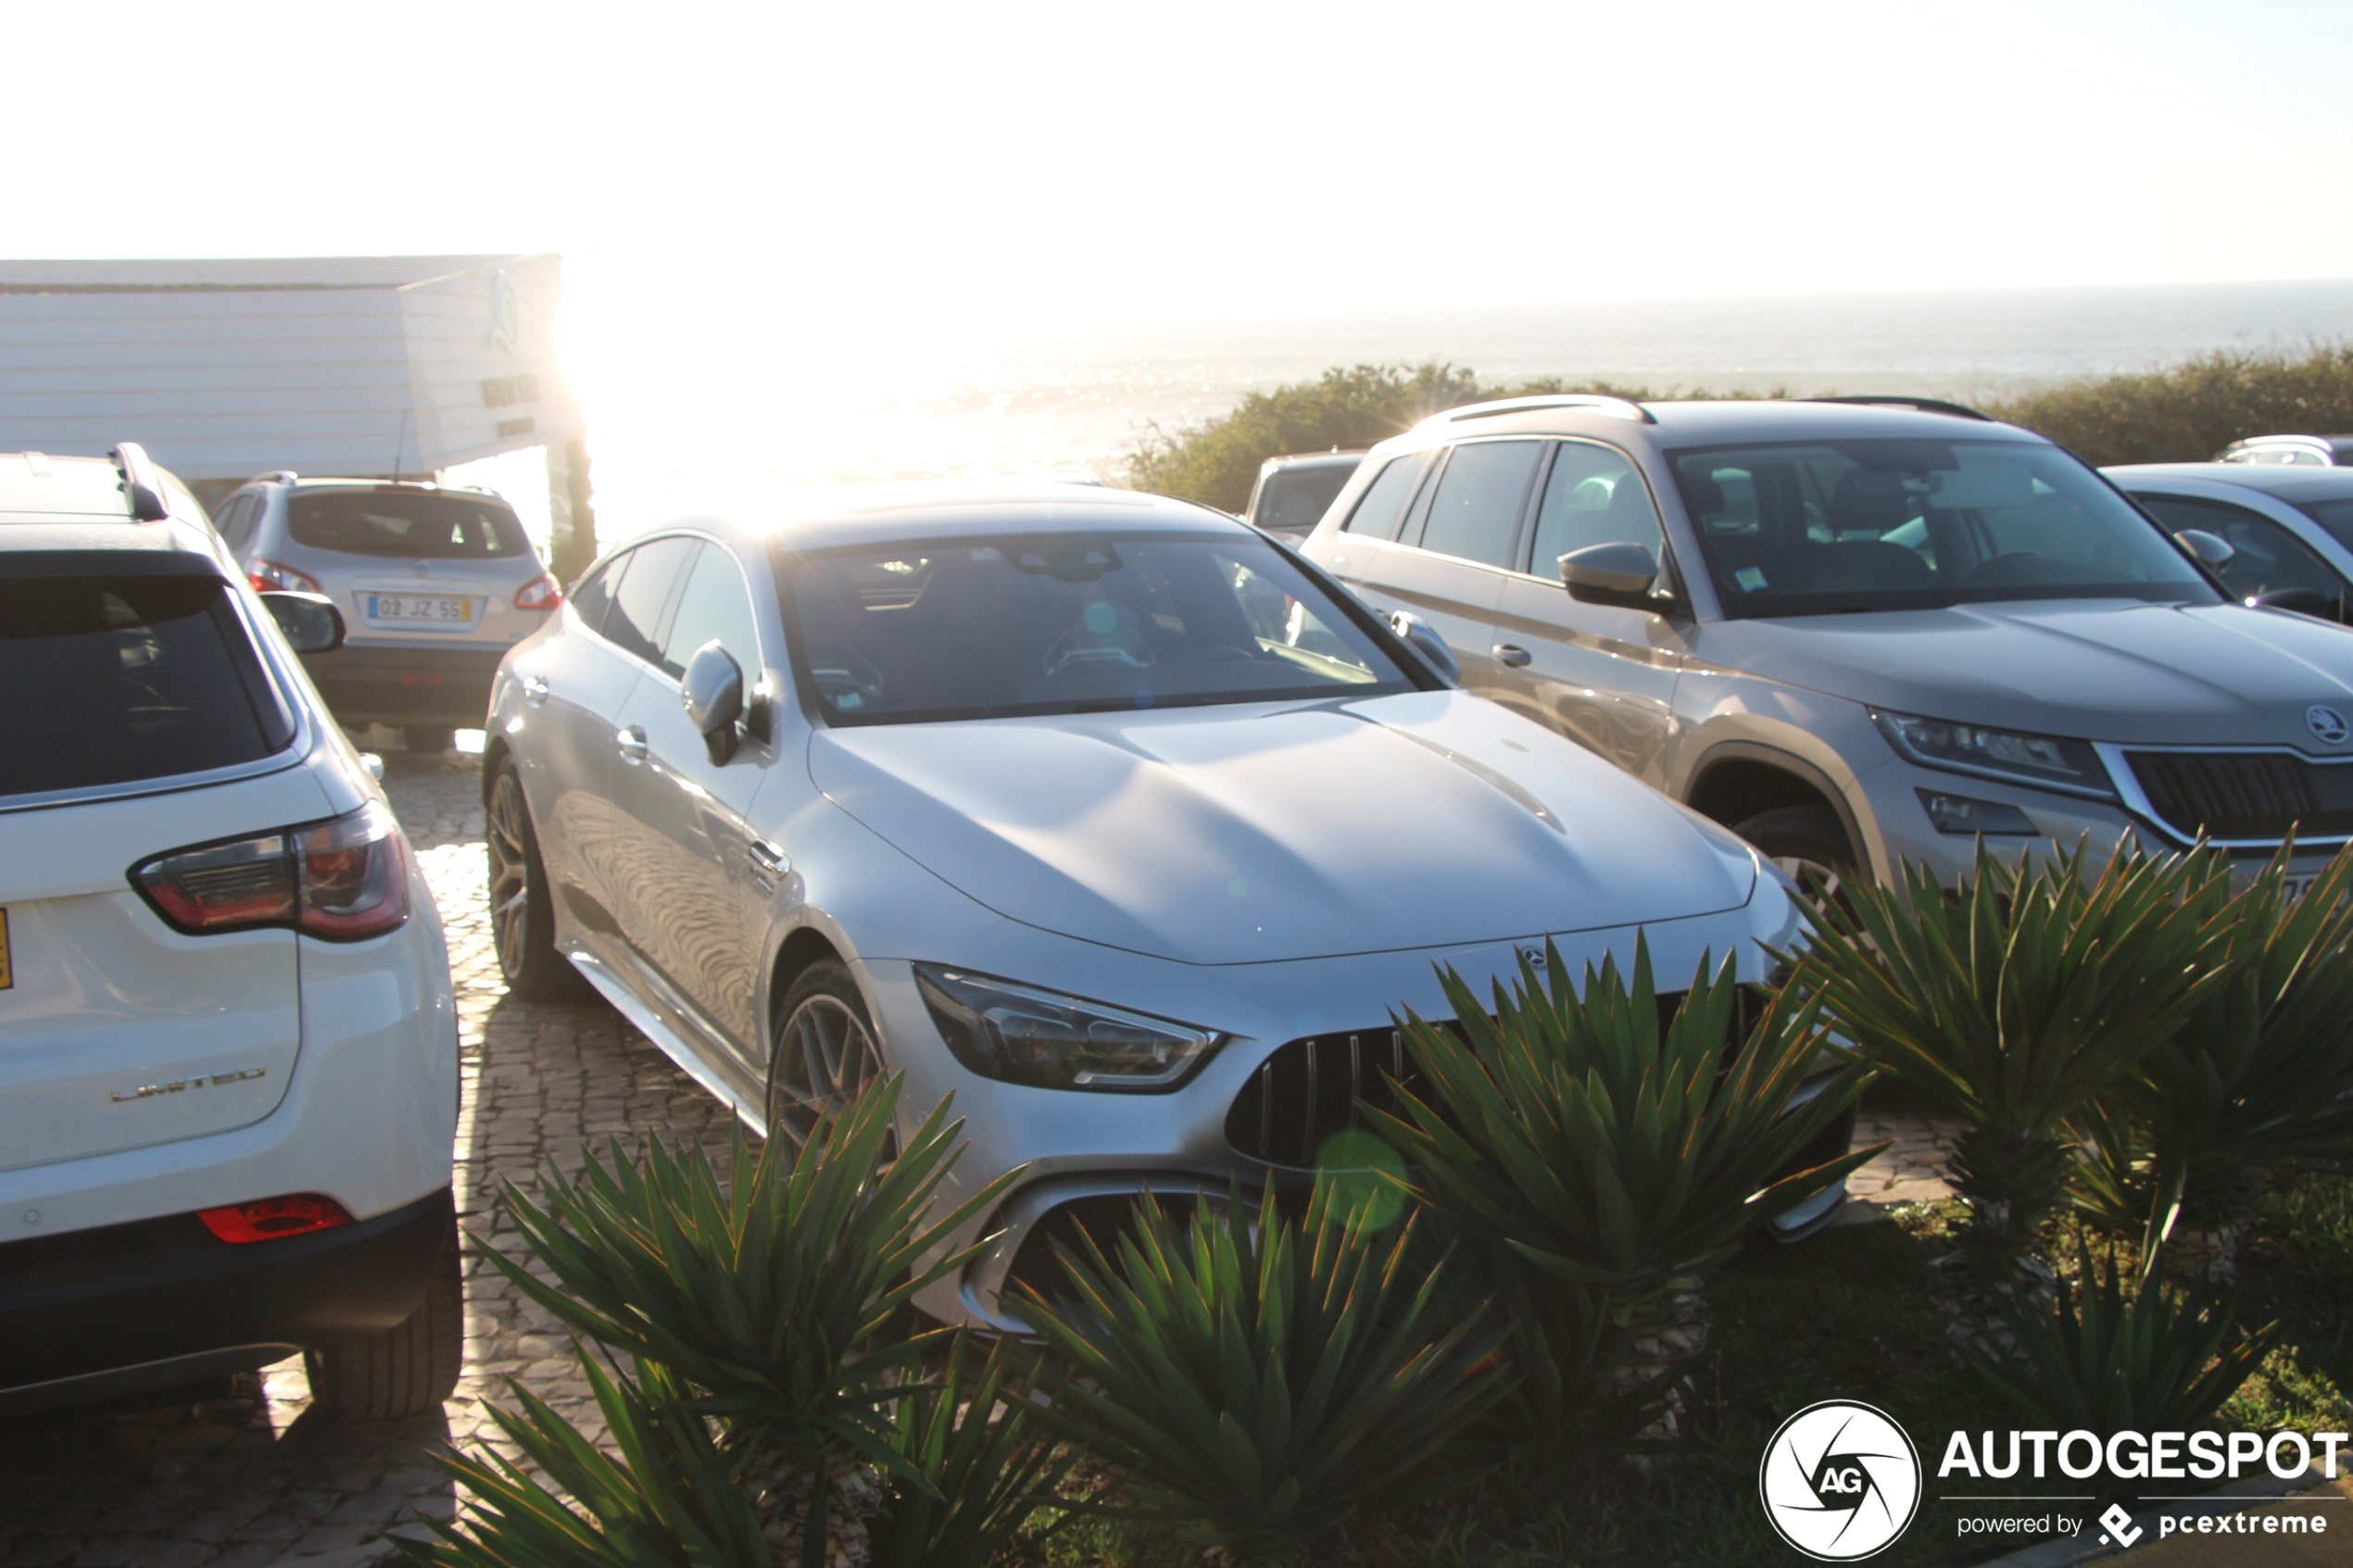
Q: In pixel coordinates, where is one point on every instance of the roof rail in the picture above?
(1600, 403)
(275, 476)
(142, 483)
(1925, 405)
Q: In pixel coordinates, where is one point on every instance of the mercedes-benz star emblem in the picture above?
(1839, 1480)
(2326, 723)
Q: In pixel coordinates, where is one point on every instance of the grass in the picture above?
(1854, 1314)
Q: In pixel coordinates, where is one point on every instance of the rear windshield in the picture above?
(1297, 499)
(112, 680)
(1071, 623)
(413, 525)
(1834, 527)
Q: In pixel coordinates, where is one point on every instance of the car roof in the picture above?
(2288, 483)
(1349, 459)
(955, 511)
(1673, 424)
(50, 504)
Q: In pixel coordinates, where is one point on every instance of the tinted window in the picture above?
(1804, 528)
(108, 680)
(2265, 556)
(634, 623)
(1297, 499)
(592, 595)
(1592, 497)
(1476, 507)
(1069, 622)
(1382, 506)
(236, 523)
(2335, 516)
(407, 523)
(713, 604)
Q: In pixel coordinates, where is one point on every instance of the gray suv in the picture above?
(1855, 630)
(434, 583)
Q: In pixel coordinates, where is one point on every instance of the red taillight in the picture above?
(542, 592)
(274, 1217)
(268, 576)
(341, 880)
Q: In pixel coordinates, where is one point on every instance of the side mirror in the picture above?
(713, 691)
(2211, 549)
(1424, 639)
(1618, 574)
(311, 621)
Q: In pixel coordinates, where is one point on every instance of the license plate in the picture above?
(7, 975)
(416, 607)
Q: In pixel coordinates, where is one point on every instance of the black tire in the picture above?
(823, 1052)
(410, 1367)
(427, 740)
(1808, 843)
(523, 916)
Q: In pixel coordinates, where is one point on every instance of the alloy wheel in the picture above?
(1824, 881)
(824, 1055)
(509, 875)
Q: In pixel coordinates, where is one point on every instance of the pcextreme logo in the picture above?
(1840, 1481)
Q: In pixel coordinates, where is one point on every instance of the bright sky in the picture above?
(754, 192)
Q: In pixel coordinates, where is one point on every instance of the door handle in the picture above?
(768, 863)
(534, 690)
(1512, 656)
(632, 741)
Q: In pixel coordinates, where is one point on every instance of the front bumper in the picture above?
(158, 1302)
(424, 684)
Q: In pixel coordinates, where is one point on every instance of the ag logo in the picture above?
(2326, 723)
(1839, 1480)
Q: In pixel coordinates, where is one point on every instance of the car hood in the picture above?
(2098, 670)
(1279, 832)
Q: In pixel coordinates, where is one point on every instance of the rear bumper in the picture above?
(370, 683)
(157, 1302)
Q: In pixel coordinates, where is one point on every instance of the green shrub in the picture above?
(2019, 998)
(2191, 411)
(1586, 1161)
(979, 1466)
(1258, 1380)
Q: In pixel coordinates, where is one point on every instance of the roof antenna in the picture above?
(400, 444)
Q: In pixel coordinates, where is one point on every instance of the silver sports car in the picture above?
(1098, 810)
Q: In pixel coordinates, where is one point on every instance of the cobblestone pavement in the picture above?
(249, 1477)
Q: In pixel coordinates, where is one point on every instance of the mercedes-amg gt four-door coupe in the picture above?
(1101, 811)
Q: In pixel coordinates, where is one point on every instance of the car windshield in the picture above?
(1067, 623)
(408, 523)
(1297, 499)
(112, 679)
(2335, 516)
(1829, 527)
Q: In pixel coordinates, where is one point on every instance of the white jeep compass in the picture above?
(228, 1054)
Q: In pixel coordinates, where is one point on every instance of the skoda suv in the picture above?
(228, 1054)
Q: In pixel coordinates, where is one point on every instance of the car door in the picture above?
(575, 686)
(2266, 558)
(1602, 674)
(1455, 548)
(698, 910)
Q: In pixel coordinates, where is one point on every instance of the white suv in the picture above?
(228, 1052)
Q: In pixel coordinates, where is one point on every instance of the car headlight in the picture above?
(1022, 1035)
(2071, 766)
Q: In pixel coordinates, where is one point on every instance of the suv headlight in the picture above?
(1022, 1035)
(2071, 766)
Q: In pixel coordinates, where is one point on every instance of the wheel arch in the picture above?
(1734, 780)
(802, 947)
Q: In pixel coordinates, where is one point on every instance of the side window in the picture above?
(634, 624)
(713, 604)
(592, 595)
(2268, 556)
(1593, 497)
(1475, 509)
(236, 523)
(1382, 506)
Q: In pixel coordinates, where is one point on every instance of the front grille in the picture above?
(2242, 796)
(1310, 1089)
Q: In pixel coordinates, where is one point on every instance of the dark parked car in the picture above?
(2290, 528)
(1293, 492)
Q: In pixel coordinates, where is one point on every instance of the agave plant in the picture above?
(770, 1302)
(2104, 1360)
(979, 1467)
(1589, 1159)
(2018, 1000)
(667, 1497)
(2259, 1076)
(1260, 1381)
